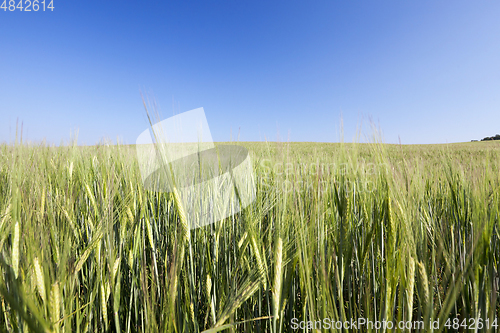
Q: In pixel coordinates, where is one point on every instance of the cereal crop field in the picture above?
(338, 233)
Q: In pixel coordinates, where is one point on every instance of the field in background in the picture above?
(338, 231)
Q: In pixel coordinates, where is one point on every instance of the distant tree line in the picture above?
(488, 138)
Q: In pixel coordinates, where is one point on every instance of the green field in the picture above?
(344, 232)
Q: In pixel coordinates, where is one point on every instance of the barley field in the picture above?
(345, 232)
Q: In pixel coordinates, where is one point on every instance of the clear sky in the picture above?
(424, 71)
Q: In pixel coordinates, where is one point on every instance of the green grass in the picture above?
(338, 231)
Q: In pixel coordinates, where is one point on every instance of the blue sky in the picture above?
(424, 71)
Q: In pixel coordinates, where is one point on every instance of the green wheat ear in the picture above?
(40, 283)
(278, 276)
(15, 250)
(55, 301)
(410, 287)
